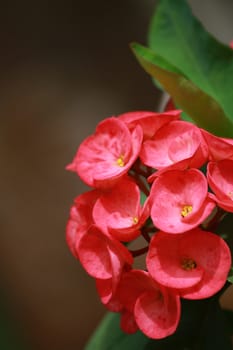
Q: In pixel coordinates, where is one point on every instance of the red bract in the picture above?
(195, 263)
(103, 258)
(149, 121)
(106, 290)
(219, 147)
(178, 145)
(220, 178)
(179, 200)
(107, 155)
(80, 218)
(155, 309)
(118, 211)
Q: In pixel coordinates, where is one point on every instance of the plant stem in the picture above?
(139, 252)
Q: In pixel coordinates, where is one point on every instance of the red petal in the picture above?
(93, 253)
(157, 317)
(150, 122)
(164, 262)
(213, 255)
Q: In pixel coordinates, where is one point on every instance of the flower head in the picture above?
(155, 309)
(195, 263)
(104, 259)
(108, 154)
(219, 147)
(179, 200)
(150, 122)
(118, 211)
(176, 145)
(220, 179)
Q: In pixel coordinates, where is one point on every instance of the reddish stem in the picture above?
(145, 234)
(141, 184)
(213, 223)
(139, 252)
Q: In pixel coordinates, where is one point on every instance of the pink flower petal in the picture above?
(219, 147)
(157, 317)
(164, 262)
(94, 256)
(195, 263)
(118, 211)
(128, 324)
(176, 142)
(107, 154)
(173, 193)
(149, 121)
(154, 307)
(132, 285)
(80, 218)
(220, 178)
(104, 289)
(213, 255)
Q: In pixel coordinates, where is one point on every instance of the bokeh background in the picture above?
(64, 66)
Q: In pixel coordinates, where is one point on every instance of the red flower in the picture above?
(179, 200)
(219, 147)
(118, 211)
(108, 154)
(195, 263)
(149, 121)
(103, 259)
(178, 145)
(220, 178)
(80, 219)
(155, 309)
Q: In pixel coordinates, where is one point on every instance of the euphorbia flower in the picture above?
(103, 258)
(108, 154)
(179, 200)
(219, 147)
(80, 218)
(149, 121)
(220, 178)
(118, 211)
(155, 309)
(195, 263)
(178, 144)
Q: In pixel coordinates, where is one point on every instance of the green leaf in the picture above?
(198, 319)
(202, 108)
(177, 36)
(109, 336)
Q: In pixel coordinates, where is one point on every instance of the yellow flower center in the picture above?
(135, 220)
(188, 264)
(120, 161)
(187, 209)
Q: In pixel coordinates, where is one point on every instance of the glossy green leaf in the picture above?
(109, 336)
(177, 36)
(201, 107)
(198, 318)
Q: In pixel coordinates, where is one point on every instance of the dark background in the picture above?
(64, 66)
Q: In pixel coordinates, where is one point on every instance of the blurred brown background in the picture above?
(64, 66)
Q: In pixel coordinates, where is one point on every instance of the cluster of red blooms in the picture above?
(156, 156)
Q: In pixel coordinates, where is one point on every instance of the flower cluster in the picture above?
(156, 176)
